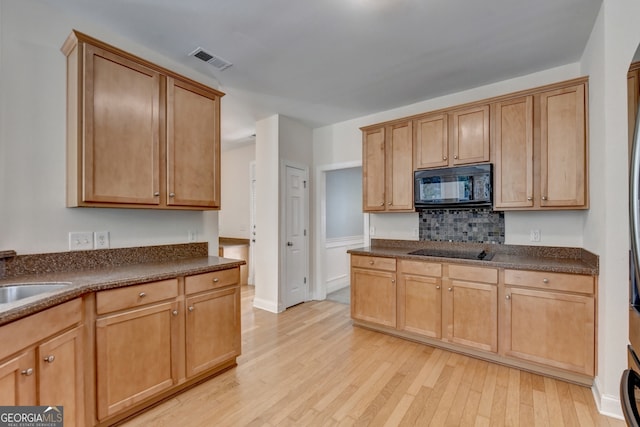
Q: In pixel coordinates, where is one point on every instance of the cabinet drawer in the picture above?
(135, 296)
(545, 280)
(213, 280)
(421, 268)
(378, 263)
(473, 274)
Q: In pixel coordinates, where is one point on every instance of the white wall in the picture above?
(34, 218)
(614, 39)
(234, 217)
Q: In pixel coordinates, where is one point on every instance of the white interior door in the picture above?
(295, 283)
(252, 220)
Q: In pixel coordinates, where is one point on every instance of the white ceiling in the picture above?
(326, 61)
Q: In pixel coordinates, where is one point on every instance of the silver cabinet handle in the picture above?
(216, 280)
(438, 287)
(382, 204)
(191, 308)
(142, 294)
(172, 194)
(393, 280)
(444, 158)
(50, 358)
(545, 280)
(370, 262)
(529, 198)
(450, 289)
(455, 157)
(544, 197)
(389, 203)
(174, 312)
(156, 194)
(27, 372)
(508, 296)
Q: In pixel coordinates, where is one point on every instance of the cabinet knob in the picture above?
(191, 308)
(142, 294)
(529, 198)
(508, 296)
(444, 157)
(455, 156)
(216, 280)
(545, 280)
(544, 197)
(450, 289)
(393, 280)
(389, 203)
(174, 312)
(370, 262)
(50, 358)
(27, 372)
(156, 194)
(382, 204)
(172, 194)
(438, 287)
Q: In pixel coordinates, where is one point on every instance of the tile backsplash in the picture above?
(464, 225)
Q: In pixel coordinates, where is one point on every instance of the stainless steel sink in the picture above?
(12, 293)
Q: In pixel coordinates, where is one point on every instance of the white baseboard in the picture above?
(263, 304)
(337, 285)
(607, 404)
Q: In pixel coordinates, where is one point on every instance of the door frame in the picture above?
(318, 290)
(282, 276)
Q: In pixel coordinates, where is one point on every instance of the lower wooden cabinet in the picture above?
(136, 353)
(541, 321)
(552, 325)
(373, 290)
(45, 363)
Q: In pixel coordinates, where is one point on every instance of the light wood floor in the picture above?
(309, 366)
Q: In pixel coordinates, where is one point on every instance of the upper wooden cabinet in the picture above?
(540, 149)
(387, 166)
(138, 135)
(455, 138)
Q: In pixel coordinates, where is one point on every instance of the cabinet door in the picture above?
(552, 328)
(373, 296)
(563, 148)
(399, 174)
(470, 313)
(470, 135)
(513, 144)
(60, 375)
(18, 380)
(136, 354)
(373, 170)
(213, 329)
(193, 145)
(420, 305)
(121, 130)
(432, 141)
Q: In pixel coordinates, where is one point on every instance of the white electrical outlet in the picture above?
(534, 235)
(80, 241)
(101, 240)
(193, 236)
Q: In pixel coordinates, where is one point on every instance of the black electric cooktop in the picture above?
(443, 253)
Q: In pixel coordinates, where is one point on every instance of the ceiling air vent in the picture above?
(216, 61)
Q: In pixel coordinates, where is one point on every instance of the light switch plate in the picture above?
(80, 240)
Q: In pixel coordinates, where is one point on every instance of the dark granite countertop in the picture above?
(86, 280)
(540, 258)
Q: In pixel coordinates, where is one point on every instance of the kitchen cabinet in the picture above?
(44, 366)
(373, 289)
(470, 306)
(138, 135)
(213, 319)
(420, 298)
(387, 168)
(540, 149)
(137, 338)
(549, 318)
(513, 153)
(452, 138)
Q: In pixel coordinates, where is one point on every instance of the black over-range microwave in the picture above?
(455, 187)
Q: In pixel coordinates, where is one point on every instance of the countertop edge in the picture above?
(574, 266)
(88, 281)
